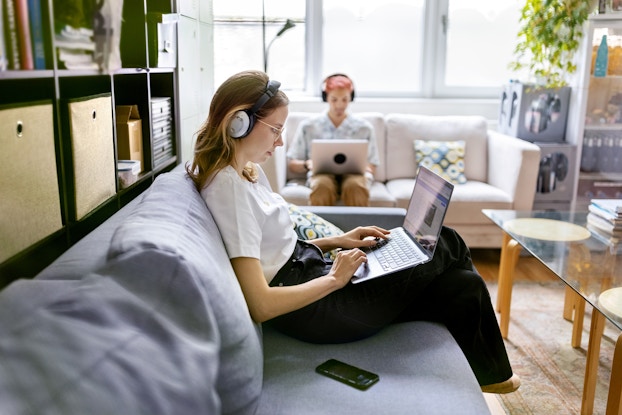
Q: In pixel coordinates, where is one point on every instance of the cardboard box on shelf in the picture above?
(129, 134)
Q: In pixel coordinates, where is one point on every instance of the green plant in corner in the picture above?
(550, 33)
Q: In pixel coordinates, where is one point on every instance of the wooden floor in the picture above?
(528, 268)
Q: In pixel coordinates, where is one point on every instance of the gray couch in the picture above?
(145, 316)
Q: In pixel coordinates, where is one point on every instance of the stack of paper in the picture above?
(76, 48)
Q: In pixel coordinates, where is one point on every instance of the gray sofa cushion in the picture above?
(417, 363)
(91, 346)
(172, 219)
(89, 253)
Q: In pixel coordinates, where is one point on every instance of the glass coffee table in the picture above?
(591, 267)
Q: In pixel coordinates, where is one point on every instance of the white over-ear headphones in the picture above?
(242, 122)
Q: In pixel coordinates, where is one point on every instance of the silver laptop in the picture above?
(415, 241)
(339, 156)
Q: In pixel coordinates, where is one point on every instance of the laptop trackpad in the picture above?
(362, 271)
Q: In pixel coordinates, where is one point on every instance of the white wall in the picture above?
(488, 108)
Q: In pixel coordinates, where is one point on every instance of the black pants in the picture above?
(447, 290)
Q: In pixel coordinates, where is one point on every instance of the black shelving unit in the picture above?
(133, 84)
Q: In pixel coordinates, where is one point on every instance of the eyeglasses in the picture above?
(276, 131)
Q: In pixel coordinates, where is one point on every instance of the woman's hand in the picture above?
(362, 236)
(345, 264)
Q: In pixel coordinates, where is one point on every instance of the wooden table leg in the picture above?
(579, 311)
(569, 303)
(614, 400)
(574, 302)
(502, 265)
(597, 327)
(507, 265)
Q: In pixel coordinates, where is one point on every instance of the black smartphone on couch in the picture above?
(348, 374)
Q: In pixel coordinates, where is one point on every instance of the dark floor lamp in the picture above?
(288, 25)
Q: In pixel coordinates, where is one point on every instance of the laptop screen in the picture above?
(427, 207)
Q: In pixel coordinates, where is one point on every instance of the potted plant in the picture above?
(550, 34)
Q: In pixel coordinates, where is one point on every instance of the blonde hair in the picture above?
(215, 148)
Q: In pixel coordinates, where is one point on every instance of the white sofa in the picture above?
(501, 170)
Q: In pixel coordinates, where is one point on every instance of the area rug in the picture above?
(539, 349)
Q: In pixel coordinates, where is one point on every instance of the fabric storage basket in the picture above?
(30, 202)
(92, 147)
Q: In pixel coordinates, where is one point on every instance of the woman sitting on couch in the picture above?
(288, 282)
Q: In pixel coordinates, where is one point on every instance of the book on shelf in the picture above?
(613, 206)
(605, 237)
(3, 58)
(605, 214)
(10, 33)
(76, 47)
(26, 60)
(36, 29)
(76, 59)
(596, 221)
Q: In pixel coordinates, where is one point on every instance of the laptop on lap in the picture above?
(339, 156)
(415, 241)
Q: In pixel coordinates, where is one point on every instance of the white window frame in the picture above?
(433, 65)
(438, 41)
(434, 55)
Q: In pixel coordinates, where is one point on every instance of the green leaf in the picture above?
(550, 33)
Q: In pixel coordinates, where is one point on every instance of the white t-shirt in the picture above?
(253, 221)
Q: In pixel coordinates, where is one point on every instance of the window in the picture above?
(243, 27)
(391, 48)
(478, 38)
(377, 43)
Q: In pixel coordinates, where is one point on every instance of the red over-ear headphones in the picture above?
(323, 88)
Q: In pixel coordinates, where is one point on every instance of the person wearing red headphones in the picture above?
(336, 123)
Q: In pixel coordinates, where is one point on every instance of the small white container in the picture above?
(128, 172)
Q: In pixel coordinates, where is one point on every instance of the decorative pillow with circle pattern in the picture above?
(445, 158)
(308, 225)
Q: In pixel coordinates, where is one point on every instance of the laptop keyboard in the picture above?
(398, 253)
